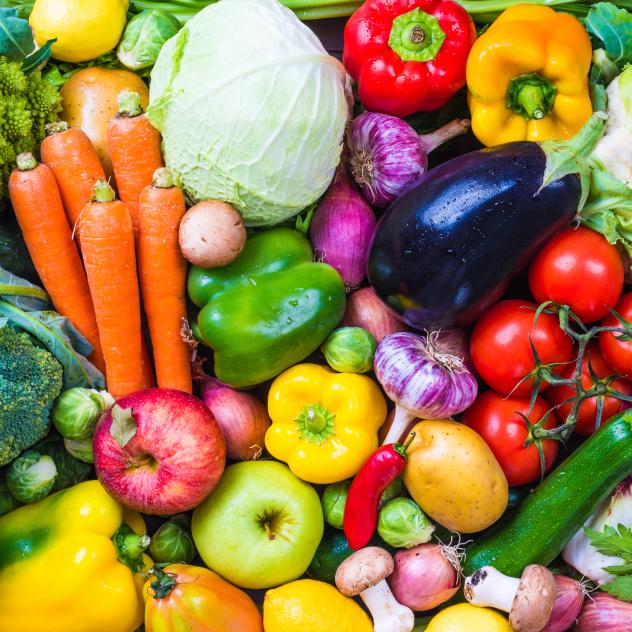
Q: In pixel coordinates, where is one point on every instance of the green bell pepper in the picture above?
(267, 310)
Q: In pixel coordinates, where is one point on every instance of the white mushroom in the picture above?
(364, 573)
(528, 600)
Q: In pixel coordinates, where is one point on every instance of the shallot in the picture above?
(386, 155)
(425, 576)
(426, 376)
(242, 418)
(568, 602)
(603, 613)
(366, 310)
(342, 228)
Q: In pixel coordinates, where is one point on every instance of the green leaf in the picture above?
(613, 28)
(123, 426)
(16, 36)
(38, 58)
(620, 587)
(620, 569)
(58, 335)
(611, 541)
(21, 292)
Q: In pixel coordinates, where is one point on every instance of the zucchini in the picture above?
(548, 518)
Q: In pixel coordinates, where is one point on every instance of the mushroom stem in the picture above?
(388, 614)
(490, 588)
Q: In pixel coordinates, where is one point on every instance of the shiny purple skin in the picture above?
(385, 157)
(342, 229)
(431, 385)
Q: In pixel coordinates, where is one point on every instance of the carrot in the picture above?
(39, 210)
(134, 146)
(75, 163)
(162, 271)
(107, 242)
(145, 364)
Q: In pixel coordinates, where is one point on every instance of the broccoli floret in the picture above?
(27, 104)
(30, 381)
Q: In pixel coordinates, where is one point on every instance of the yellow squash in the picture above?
(59, 569)
(527, 77)
(453, 476)
(324, 424)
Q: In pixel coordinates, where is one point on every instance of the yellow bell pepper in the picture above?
(324, 424)
(59, 569)
(527, 77)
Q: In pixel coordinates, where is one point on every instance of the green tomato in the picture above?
(350, 350)
(172, 542)
(403, 524)
(77, 411)
(7, 501)
(333, 501)
(80, 449)
(31, 476)
(145, 34)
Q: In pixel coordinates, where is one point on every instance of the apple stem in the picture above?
(164, 582)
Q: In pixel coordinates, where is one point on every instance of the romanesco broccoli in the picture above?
(27, 104)
(30, 381)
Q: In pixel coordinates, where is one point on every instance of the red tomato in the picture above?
(587, 414)
(500, 346)
(578, 268)
(618, 353)
(497, 420)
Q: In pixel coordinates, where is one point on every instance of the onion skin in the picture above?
(386, 155)
(603, 613)
(568, 603)
(242, 418)
(366, 310)
(423, 577)
(342, 229)
(426, 376)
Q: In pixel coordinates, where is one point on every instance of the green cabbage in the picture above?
(251, 108)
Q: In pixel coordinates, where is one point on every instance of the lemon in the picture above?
(467, 618)
(84, 29)
(307, 605)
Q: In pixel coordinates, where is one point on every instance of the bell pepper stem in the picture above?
(315, 423)
(531, 96)
(130, 547)
(416, 36)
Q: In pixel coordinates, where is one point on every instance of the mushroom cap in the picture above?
(532, 606)
(365, 568)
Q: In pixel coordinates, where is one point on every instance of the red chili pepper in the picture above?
(408, 55)
(361, 509)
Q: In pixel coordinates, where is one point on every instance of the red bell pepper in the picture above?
(363, 500)
(408, 55)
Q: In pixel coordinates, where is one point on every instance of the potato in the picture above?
(212, 234)
(89, 101)
(453, 476)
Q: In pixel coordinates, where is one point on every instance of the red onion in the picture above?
(425, 576)
(366, 310)
(426, 376)
(342, 228)
(242, 418)
(568, 603)
(603, 613)
(386, 154)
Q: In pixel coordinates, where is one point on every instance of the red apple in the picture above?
(159, 451)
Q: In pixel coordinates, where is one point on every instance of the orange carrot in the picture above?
(162, 272)
(75, 163)
(107, 243)
(148, 379)
(134, 146)
(39, 210)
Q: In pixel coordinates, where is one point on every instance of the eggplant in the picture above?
(448, 247)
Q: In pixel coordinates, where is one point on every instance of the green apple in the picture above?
(260, 526)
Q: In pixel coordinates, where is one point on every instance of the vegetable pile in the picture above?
(295, 342)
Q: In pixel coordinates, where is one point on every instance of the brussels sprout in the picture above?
(77, 411)
(350, 350)
(144, 36)
(403, 524)
(173, 542)
(7, 501)
(80, 449)
(70, 471)
(31, 476)
(333, 501)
